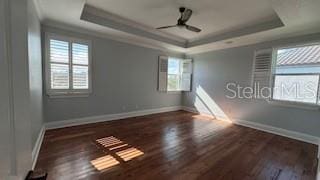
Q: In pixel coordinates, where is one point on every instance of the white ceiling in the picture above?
(214, 17)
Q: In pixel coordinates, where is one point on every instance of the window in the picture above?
(67, 66)
(296, 74)
(174, 74)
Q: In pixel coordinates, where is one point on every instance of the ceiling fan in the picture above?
(185, 16)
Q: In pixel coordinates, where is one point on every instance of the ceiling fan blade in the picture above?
(165, 27)
(192, 28)
(185, 16)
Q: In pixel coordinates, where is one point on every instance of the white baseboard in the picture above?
(318, 172)
(37, 146)
(279, 131)
(108, 117)
(267, 128)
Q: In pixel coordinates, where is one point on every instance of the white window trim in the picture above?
(70, 92)
(300, 105)
(293, 104)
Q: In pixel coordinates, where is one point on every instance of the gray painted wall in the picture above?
(4, 98)
(124, 79)
(14, 108)
(35, 71)
(21, 93)
(213, 70)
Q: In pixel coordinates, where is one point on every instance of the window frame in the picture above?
(56, 93)
(273, 75)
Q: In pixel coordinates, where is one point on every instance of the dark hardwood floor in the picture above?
(175, 145)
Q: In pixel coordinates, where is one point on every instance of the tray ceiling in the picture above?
(239, 22)
(213, 17)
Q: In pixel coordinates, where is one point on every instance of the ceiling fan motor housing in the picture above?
(180, 23)
(182, 9)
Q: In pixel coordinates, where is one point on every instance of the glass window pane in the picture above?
(296, 88)
(174, 75)
(173, 66)
(59, 76)
(173, 82)
(80, 77)
(80, 54)
(59, 51)
(298, 60)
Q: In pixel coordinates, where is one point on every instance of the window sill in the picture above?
(69, 95)
(294, 104)
(174, 92)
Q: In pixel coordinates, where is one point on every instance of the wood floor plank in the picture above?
(174, 145)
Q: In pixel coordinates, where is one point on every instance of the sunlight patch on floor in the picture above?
(108, 141)
(117, 152)
(129, 154)
(104, 162)
(117, 147)
(204, 117)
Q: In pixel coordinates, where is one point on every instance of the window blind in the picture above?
(262, 71)
(59, 64)
(80, 61)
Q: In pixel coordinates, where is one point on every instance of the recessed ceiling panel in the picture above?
(212, 16)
